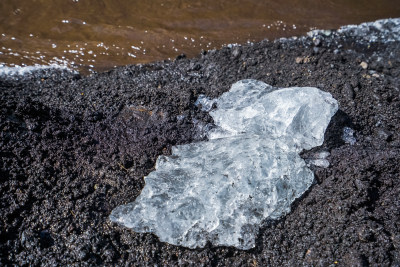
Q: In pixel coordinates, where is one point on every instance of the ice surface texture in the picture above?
(249, 170)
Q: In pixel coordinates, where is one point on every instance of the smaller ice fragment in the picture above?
(348, 136)
(323, 154)
(320, 160)
(320, 163)
(180, 117)
(205, 102)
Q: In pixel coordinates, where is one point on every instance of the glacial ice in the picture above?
(249, 170)
(206, 103)
(319, 160)
(348, 136)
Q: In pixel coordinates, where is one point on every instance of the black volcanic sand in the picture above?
(73, 148)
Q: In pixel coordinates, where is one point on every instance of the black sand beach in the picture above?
(72, 148)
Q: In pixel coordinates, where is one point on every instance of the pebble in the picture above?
(384, 134)
(317, 42)
(300, 60)
(364, 65)
(327, 32)
(82, 255)
(236, 52)
(348, 91)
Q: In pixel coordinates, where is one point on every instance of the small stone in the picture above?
(360, 185)
(307, 60)
(354, 258)
(384, 134)
(194, 66)
(82, 255)
(327, 32)
(365, 234)
(354, 82)
(236, 52)
(396, 241)
(348, 91)
(300, 60)
(364, 65)
(317, 41)
(27, 239)
(109, 255)
(181, 56)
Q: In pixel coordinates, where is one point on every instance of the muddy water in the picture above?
(99, 34)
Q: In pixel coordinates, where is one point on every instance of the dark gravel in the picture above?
(73, 148)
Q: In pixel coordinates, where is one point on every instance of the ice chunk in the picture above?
(205, 102)
(348, 136)
(320, 163)
(249, 170)
(319, 160)
(253, 107)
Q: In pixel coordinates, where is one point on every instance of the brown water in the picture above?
(100, 34)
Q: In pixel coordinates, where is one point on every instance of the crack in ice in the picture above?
(220, 190)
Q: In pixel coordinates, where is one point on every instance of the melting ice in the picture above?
(220, 190)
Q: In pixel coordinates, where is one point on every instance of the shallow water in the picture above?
(99, 34)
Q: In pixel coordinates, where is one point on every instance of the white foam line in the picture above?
(22, 70)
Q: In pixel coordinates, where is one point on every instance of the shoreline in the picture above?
(74, 148)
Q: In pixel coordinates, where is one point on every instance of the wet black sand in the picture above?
(72, 148)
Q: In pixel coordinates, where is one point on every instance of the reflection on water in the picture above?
(100, 34)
